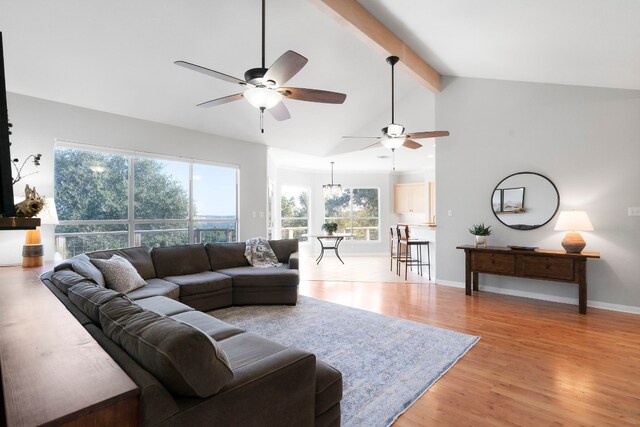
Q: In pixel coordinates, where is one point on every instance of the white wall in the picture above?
(38, 122)
(586, 140)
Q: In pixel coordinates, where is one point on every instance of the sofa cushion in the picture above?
(89, 298)
(65, 279)
(215, 328)
(138, 256)
(163, 305)
(262, 277)
(226, 255)
(245, 349)
(328, 387)
(284, 248)
(180, 260)
(183, 358)
(119, 274)
(156, 287)
(200, 283)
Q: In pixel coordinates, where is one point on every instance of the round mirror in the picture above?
(525, 200)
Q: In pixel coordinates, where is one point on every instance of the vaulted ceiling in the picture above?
(117, 57)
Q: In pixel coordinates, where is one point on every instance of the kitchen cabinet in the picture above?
(409, 198)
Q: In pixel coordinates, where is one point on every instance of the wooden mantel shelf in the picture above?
(15, 223)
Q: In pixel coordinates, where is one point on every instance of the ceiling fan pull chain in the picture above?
(262, 120)
(393, 158)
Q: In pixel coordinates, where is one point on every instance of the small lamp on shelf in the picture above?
(32, 251)
(573, 221)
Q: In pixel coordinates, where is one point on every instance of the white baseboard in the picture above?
(545, 297)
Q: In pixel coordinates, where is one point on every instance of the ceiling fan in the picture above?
(263, 86)
(393, 136)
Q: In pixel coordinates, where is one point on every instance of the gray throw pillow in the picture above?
(82, 265)
(186, 360)
(119, 274)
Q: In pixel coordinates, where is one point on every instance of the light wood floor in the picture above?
(537, 364)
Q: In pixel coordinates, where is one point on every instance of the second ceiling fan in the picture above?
(393, 136)
(263, 86)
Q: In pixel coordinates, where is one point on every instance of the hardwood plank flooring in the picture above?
(538, 363)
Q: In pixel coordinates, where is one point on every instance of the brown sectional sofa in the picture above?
(253, 381)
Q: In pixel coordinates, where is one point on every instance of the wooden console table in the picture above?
(53, 372)
(543, 264)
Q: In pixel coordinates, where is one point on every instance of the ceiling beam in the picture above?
(353, 14)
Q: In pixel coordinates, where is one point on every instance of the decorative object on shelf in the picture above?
(262, 87)
(481, 232)
(33, 251)
(32, 204)
(573, 221)
(522, 248)
(508, 201)
(35, 159)
(332, 188)
(330, 228)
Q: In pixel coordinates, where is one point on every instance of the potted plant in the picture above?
(330, 228)
(480, 231)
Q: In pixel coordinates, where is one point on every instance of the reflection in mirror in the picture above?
(513, 210)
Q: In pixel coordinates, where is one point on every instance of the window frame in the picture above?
(307, 189)
(131, 222)
(351, 216)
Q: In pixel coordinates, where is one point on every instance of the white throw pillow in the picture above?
(119, 274)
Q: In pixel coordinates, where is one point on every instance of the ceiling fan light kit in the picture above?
(261, 97)
(263, 86)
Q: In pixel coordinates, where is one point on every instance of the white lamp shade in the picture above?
(392, 143)
(573, 221)
(261, 97)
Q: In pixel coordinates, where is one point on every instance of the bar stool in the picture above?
(405, 240)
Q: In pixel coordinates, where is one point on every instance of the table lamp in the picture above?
(573, 221)
(32, 251)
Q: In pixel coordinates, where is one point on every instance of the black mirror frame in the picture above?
(522, 228)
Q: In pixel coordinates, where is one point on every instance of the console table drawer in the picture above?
(494, 263)
(547, 267)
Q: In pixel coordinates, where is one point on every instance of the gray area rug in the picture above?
(386, 363)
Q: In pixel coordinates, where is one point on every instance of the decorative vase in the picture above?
(481, 241)
(328, 233)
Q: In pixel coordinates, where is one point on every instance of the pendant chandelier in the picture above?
(332, 188)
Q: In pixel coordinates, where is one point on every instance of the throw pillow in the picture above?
(259, 253)
(82, 265)
(119, 274)
(186, 360)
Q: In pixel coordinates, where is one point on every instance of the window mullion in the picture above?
(131, 207)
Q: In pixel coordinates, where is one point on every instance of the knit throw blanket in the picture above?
(259, 253)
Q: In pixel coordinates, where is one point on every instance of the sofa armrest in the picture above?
(278, 387)
(294, 261)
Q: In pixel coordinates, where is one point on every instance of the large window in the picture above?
(294, 212)
(356, 211)
(110, 200)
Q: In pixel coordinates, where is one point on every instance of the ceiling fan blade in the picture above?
(285, 67)
(313, 95)
(280, 112)
(371, 145)
(409, 143)
(211, 73)
(362, 137)
(434, 134)
(220, 101)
